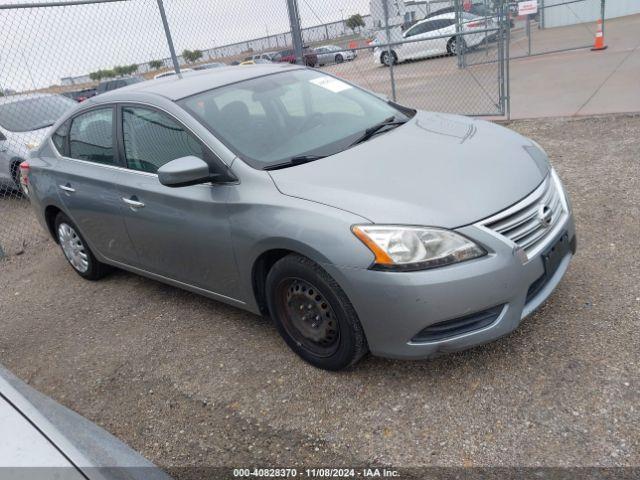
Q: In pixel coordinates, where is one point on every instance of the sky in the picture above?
(38, 46)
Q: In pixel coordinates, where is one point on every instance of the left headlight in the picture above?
(415, 248)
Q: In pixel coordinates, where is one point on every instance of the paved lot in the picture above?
(578, 82)
(189, 381)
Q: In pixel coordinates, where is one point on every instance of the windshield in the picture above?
(33, 113)
(272, 119)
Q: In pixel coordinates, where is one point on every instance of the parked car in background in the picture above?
(261, 56)
(289, 56)
(257, 61)
(108, 85)
(24, 120)
(209, 66)
(333, 54)
(477, 8)
(81, 95)
(291, 193)
(171, 73)
(435, 36)
(43, 439)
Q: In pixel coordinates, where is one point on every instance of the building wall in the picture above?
(587, 11)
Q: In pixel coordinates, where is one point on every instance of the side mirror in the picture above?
(183, 172)
(2, 137)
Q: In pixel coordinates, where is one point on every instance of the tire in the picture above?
(313, 315)
(76, 251)
(384, 58)
(339, 58)
(452, 45)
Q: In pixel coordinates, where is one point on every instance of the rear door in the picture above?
(418, 36)
(179, 233)
(86, 177)
(444, 30)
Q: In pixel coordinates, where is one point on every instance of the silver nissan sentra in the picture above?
(355, 223)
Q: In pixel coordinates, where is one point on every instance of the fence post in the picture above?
(296, 33)
(457, 6)
(528, 34)
(167, 32)
(385, 7)
(507, 60)
(602, 2)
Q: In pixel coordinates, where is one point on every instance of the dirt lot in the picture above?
(189, 381)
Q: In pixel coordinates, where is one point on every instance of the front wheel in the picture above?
(313, 314)
(339, 58)
(76, 250)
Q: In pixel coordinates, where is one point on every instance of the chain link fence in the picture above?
(557, 26)
(54, 54)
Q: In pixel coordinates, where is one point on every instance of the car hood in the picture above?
(18, 141)
(437, 170)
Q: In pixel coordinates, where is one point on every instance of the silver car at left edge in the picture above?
(357, 224)
(42, 439)
(24, 122)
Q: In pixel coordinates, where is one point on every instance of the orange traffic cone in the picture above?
(598, 44)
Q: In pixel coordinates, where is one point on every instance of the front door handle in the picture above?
(67, 188)
(134, 204)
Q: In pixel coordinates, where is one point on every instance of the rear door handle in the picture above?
(67, 188)
(133, 203)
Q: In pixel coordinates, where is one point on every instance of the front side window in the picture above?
(271, 119)
(91, 137)
(152, 138)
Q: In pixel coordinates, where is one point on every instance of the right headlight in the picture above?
(405, 248)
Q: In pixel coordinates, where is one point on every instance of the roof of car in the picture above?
(24, 96)
(193, 82)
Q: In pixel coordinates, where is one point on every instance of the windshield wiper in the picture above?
(371, 131)
(297, 160)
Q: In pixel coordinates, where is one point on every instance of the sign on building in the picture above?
(528, 7)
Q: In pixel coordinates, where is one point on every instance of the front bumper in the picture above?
(394, 307)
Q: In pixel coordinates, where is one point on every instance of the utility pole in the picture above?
(296, 33)
(167, 32)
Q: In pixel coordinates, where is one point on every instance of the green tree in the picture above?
(354, 22)
(101, 74)
(123, 70)
(191, 56)
(156, 64)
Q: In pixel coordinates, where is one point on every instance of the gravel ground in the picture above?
(188, 381)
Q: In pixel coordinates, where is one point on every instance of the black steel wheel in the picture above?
(307, 316)
(313, 314)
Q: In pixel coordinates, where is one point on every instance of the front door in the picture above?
(180, 233)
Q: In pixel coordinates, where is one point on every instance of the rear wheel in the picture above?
(388, 60)
(76, 250)
(313, 314)
(453, 44)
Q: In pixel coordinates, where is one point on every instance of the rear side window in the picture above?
(152, 138)
(445, 22)
(91, 137)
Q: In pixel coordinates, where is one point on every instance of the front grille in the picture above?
(523, 223)
(458, 326)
